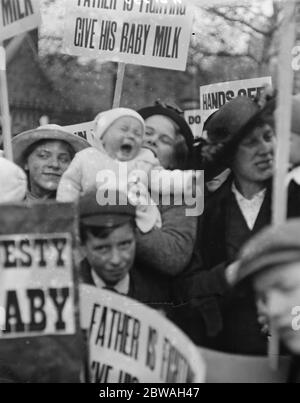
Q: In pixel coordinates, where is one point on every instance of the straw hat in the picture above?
(24, 140)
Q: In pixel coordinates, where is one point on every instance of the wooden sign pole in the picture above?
(283, 125)
(283, 118)
(4, 105)
(119, 85)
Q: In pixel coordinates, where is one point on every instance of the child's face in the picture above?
(112, 257)
(123, 139)
(278, 295)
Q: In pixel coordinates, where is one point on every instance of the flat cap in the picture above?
(273, 246)
(93, 214)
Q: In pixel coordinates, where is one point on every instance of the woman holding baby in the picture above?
(157, 138)
(163, 253)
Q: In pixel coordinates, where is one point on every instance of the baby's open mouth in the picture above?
(126, 148)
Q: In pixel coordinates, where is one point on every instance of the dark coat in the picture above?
(139, 289)
(294, 375)
(210, 312)
(165, 252)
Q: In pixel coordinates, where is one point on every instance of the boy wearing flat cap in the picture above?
(109, 241)
(270, 265)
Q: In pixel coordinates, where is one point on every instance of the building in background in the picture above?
(32, 93)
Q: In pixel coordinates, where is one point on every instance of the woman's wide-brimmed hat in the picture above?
(24, 140)
(173, 113)
(231, 124)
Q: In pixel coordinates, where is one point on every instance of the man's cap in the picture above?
(92, 214)
(273, 246)
(24, 140)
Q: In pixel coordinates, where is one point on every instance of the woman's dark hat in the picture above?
(174, 113)
(231, 124)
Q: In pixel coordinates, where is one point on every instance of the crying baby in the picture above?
(118, 139)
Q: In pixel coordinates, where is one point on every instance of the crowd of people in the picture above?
(226, 278)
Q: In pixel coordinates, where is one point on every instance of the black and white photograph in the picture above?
(149, 194)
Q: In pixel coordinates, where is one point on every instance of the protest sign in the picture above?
(129, 342)
(84, 130)
(17, 16)
(194, 119)
(36, 284)
(37, 293)
(213, 96)
(150, 33)
(211, 3)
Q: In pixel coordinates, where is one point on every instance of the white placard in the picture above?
(194, 120)
(155, 34)
(84, 130)
(213, 96)
(36, 285)
(129, 342)
(18, 16)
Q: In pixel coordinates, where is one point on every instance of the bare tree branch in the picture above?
(224, 53)
(239, 21)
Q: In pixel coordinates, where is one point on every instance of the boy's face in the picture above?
(278, 295)
(46, 165)
(112, 257)
(123, 139)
